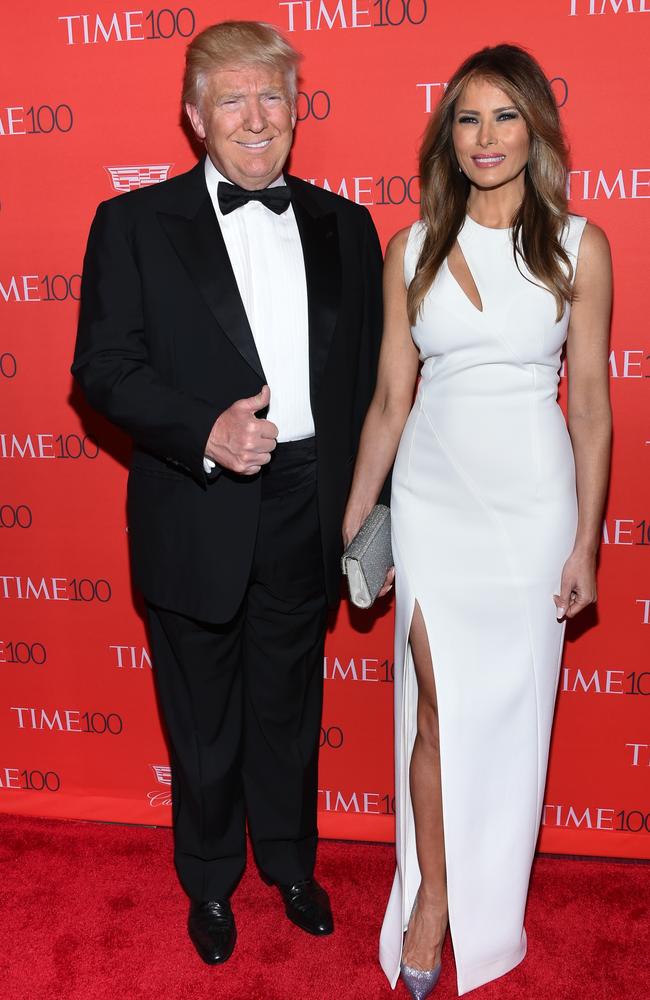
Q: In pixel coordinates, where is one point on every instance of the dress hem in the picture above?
(487, 972)
(478, 975)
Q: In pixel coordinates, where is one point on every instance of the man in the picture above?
(230, 322)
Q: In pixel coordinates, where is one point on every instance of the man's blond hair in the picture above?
(237, 43)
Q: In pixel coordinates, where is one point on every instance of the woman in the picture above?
(496, 509)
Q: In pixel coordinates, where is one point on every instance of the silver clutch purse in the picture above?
(368, 557)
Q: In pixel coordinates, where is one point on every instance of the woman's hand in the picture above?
(388, 583)
(578, 588)
(352, 522)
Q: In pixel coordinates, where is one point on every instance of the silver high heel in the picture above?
(420, 982)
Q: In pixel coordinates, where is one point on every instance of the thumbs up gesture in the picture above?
(239, 440)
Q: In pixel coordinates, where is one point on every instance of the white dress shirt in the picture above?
(266, 256)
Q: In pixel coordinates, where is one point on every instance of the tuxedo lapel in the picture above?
(193, 230)
(320, 247)
(199, 243)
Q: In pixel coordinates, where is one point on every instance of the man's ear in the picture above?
(194, 116)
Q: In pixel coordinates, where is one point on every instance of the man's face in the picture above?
(246, 119)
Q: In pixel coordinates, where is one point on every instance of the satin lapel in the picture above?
(199, 243)
(320, 247)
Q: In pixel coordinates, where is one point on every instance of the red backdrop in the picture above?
(90, 98)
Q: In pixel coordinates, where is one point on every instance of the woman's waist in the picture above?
(502, 438)
(457, 373)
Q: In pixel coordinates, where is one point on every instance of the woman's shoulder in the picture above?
(403, 237)
(594, 239)
(397, 242)
(404, 248)
(571, 235)
(583, 237)
(594, 259)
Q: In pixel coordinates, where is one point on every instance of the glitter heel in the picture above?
(420, 982)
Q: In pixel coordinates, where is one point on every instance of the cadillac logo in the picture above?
(129, 178)
(163, 773)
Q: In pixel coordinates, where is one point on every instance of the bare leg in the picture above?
(428, 923)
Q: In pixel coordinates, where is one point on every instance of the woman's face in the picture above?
(490, 135)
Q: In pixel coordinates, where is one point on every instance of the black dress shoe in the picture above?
(307, 905)
(212, 929)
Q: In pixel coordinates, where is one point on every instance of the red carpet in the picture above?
(93, 912)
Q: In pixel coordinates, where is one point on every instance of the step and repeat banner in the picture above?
(90, 108)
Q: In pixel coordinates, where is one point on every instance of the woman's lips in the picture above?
(488, 161)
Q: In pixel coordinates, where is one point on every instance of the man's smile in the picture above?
(261, 144)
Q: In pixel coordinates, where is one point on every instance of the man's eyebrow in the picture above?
(230, 94)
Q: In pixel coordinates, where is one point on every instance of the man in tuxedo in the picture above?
(230, 322)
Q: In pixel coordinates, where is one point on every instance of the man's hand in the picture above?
(241, 442)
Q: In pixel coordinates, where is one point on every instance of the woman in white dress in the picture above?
(496, 508)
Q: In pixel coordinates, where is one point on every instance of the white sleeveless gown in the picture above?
(484, 515)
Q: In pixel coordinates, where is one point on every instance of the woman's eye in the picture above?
(466, 120)
(507, 116)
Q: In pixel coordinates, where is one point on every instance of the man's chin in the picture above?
(258, 174)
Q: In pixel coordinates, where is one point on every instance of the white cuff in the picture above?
(208, 465)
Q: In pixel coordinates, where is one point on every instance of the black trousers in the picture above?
(242, 701)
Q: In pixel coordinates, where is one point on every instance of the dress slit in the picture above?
(407, 877)
(411, 694)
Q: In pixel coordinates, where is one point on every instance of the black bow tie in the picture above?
(231, 196)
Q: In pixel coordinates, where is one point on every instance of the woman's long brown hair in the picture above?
(540, 219)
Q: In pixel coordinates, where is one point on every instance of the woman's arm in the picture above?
(393, 396)
(589, 414)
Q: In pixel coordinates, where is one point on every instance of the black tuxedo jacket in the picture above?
(164, 346)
